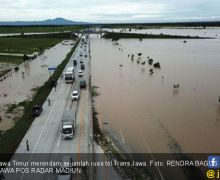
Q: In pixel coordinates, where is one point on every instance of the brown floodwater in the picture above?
(144, 111)
(212, 32)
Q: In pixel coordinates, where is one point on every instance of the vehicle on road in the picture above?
(82, 66)
(74, 62)
(69, 75)
(81, 61)
(82, 84)
(85, 55)
(36, 111)
(80, 73)
(75, 95)
(68, 124)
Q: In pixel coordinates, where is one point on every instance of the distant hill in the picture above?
(56, 21)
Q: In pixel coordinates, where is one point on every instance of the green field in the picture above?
(25, 45)
(11, 59)
(31, 29)
(28, 44)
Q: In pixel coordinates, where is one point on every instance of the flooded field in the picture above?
(207, 32)
(144, 111)
(20, 86)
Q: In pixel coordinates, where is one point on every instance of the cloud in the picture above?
(110, 11)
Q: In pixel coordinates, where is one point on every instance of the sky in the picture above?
(111, 11)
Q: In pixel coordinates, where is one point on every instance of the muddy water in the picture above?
(17, 87)
(208, 32)
(144, 111)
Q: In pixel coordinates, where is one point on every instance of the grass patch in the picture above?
(117, 36)
(23, 103)
(25, 45)
(94, 91)
(32, 29)
(10, 140)
(11, 59)
(28, 44)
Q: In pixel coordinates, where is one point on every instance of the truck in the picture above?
(69, 75)
(68, 124)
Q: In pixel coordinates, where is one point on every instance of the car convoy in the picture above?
(68, 121)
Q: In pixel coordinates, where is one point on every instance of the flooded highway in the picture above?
(143, 111)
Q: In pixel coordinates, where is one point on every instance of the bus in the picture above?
(69, 75)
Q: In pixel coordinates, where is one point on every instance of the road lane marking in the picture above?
(153, 158)
(122, 137)
(58, 142)
(46, 122)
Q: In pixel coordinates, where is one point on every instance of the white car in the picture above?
(75, 95)
(80, 73)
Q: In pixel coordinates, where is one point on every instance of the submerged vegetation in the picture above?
(94, 91)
